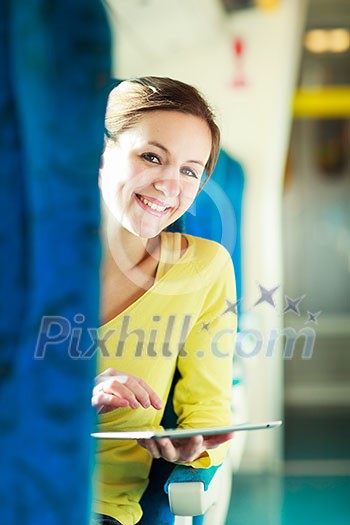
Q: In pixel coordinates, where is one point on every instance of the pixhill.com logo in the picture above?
(167, 335)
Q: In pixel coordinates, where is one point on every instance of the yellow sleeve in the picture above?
(203, 393)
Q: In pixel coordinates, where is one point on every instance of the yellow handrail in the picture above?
(322, 102)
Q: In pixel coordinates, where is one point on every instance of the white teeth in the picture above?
(152, 204)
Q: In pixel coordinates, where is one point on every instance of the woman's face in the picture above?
(152, 175)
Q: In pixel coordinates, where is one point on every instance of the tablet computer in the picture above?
(178, 433)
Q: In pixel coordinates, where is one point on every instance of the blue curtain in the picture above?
(55, 62)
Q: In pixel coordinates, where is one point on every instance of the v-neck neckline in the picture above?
(157, 282)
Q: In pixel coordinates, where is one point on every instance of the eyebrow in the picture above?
(158, 145)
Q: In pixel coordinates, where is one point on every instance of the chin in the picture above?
(148, 234)
(145, 233)
(150, 230)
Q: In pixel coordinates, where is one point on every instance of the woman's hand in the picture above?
(116, 389)
(182, 450)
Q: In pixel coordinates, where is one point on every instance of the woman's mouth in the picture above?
(152, 205)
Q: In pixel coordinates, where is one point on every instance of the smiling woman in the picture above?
(161, 164)
(158, 291)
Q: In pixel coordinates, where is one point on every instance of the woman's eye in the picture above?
(190, 172)
(151, 157)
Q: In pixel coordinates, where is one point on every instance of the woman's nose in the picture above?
(168, 184)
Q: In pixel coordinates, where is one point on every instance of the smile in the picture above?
(152, 205)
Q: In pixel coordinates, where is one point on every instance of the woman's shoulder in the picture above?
(203, 265)
(209, 258)
(206, 248)
(195, 253)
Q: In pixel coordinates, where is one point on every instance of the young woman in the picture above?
(166, 297)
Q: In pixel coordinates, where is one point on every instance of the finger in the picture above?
(188, 449)
(167, 450)
(105, 388)
(193, 448)
(216, 440)
(151, 446)
(140, 390)
(125, 391)
(188, 443)
(152, 397)
(106, 402)
(143, 393)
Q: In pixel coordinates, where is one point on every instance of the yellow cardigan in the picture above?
(184, 320)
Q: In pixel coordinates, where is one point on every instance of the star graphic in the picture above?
(293, 304)
(312, 318)
(205, 326)
(266, 296)
(231, 307)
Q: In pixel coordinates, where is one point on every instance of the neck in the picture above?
(124, 249)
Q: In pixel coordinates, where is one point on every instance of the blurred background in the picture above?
(278, 76)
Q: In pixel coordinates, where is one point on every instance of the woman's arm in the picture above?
(203, 393)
